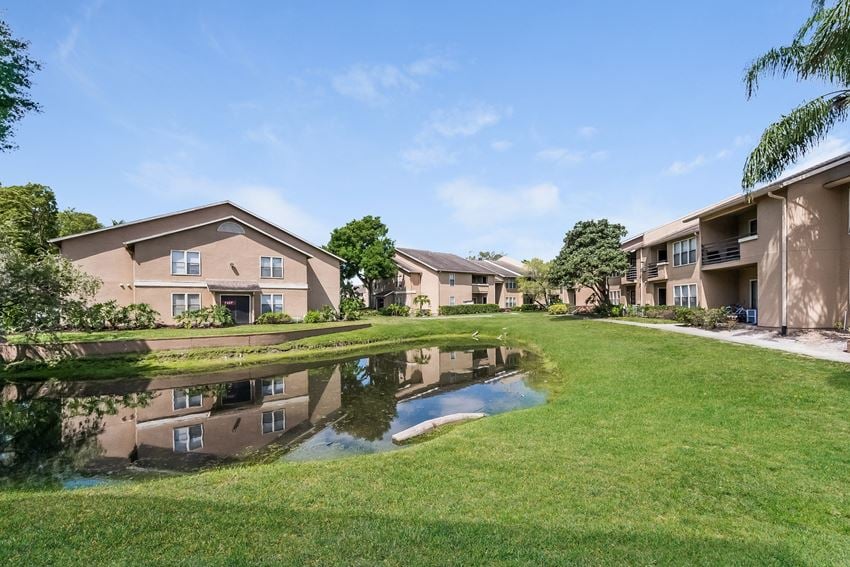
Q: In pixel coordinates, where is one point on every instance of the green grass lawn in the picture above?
(655, 448)
(175, 332)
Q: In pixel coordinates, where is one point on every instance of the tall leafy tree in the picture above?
(820, 50)
(537, 282)
(72, 221)
(367, 250)
(16, 68)
(590, 255)
(28, 218)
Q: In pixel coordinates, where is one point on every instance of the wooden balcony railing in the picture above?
(726, 250)
(631, 274)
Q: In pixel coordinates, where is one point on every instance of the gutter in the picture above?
(784, 256)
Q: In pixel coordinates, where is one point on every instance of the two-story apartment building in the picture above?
(214, 254)
(782, 251)
(448, 279)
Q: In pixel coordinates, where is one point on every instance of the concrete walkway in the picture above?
(811, 344)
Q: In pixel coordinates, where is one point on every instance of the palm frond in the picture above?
(830, 41)
(787, 139)
(777, 61)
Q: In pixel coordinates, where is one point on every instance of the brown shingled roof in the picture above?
(445, 262)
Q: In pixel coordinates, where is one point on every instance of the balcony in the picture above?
(631, 274)
(656, 271)
(728, 250)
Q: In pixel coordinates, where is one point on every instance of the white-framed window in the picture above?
(274, 386)
(185, 263)
(188, 438)
(271, 267)
(181, 302)
(274, 421)
(452, 278)
(685, 295)
(685, 252)
(451, 300)
(614, 296)
(271, 303)
(183, 399)
(510, 301)
(510, 283)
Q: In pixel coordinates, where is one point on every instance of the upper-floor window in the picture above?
(399, 280)
(183, 399)
(271, 267)
(510, 283)
(479, 279)
(185, 263)
(452, 279)
(685, 252)
(752, 227)
(662, 255)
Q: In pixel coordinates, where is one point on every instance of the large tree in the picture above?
(28, 218)
(16, 68)
(366, 249)
(820, 50)
(72, 221)
(590, 255)
(537, 281)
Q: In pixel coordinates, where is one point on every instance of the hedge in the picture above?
(469, 309)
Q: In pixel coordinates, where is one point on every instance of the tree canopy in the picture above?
(72, 221)
(16, 68)
(590, 255)
(537, 282)
(28, 218)
(820, 50)
(486, 255)
(366, 249)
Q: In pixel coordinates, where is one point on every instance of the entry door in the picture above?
(239, 306)
(662, 296)
(754, 294)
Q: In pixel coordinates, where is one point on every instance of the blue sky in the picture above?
(465, 126)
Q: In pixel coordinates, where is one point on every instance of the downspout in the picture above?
(784, 261)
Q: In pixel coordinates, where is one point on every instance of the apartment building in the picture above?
(448, 279)
(783, 251)
(215, 254)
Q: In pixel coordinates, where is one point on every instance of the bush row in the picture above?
(469, 309)
(212, 316)
(110, 315)
(705, 318)
(394, 310)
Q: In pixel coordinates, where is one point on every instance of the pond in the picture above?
(86, 433)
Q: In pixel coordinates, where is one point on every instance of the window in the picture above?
(753, 227)
(188, 438)
(182, 302)
(510, 283)
(452, 279)
(185, 263)
(662, 255)
(271, 267)
(274, 421)
(271, 303)
(685, 295)
(510, 302)
(479, 280)
(182, 399)
(273, 386)
(685, 252)
(614, 295)
(451, 300)
(399, 280)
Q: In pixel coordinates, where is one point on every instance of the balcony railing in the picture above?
(631, 274)
(726, 250)
(652, 271)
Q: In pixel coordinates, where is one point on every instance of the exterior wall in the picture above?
(103, 254)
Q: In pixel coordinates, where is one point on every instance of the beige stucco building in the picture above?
(215, 254)
(782, 251)
(448, 279)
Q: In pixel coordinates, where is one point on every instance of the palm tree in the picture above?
(820, 50)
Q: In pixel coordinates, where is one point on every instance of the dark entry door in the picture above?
(239, 306)
(662, 296)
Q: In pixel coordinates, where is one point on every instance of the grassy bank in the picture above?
(654, 448)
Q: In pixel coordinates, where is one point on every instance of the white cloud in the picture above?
(561, 155)
(429, 66)
(68, 44)
(170, 181)
(372, 83)
(501, 145)
(465, 120)
(588, 131)
(264, 134)
(425, 157)
(683, 167)
(475, 204)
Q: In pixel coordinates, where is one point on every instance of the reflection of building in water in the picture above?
(191, 426)
(194, 425)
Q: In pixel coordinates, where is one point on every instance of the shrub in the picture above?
(350, 308)
(212, 316)
(395, 310)
(616, 311)
(526, 307)
(423, 312)
(271, 318)
(469, 309)
(559, 309)
(704, 318)
(142, 316)
(110, 315)
(313, 316)
(328, 313)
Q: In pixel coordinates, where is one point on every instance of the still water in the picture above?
(87, 433)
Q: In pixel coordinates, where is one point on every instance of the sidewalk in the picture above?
(811, 344)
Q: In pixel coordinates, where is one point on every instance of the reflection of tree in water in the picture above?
(368, 395)
(43, 438)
